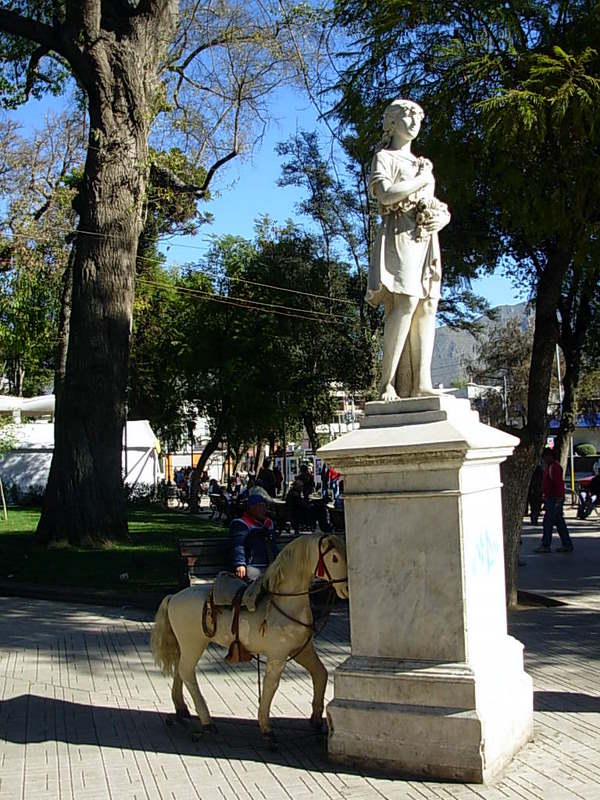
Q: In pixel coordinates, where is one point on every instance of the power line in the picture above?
(254, 305)
(155, 260)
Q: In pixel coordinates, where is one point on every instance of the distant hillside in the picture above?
(452, 346)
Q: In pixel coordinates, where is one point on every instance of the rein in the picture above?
(310, 625)
(320, 571)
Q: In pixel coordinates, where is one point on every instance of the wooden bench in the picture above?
(201, 559)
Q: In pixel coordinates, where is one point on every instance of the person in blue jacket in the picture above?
(253, 540)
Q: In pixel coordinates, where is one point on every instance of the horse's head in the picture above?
(333, 555)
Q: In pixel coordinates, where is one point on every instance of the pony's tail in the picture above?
(165, 647)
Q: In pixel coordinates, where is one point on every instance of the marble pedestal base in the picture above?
(442, 721)
(434, 687)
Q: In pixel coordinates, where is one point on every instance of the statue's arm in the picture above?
(387, 193)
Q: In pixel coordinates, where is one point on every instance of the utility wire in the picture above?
(254, 305)
(155, 260)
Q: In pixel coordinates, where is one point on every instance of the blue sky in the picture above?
(247, 188)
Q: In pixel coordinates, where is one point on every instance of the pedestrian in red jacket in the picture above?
(553, 488)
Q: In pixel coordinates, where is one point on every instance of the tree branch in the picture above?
(44, 35)
(217, 165)
(35, 59)
(165, 178)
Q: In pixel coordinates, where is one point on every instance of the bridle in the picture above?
(321, 568)
(320, 572)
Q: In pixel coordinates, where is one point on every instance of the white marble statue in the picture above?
(405, 271)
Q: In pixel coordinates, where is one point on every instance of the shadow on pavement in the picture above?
(31, 719)
(574, 702)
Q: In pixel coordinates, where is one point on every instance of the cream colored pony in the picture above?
(280, 628)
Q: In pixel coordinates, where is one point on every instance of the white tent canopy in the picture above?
(27, 464)
(43, 405)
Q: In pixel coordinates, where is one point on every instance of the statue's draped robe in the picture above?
(401, 262)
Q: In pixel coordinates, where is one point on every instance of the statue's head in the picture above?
(397, 110)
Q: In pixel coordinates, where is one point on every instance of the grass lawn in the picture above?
(150, 559)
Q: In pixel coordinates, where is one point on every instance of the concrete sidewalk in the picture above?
(84, 709)
(572, 578)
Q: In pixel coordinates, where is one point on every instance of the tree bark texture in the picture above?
(311, 432)
(63, 328)
(576, 317)
(517, 470)
(84, 500)
(260, 456)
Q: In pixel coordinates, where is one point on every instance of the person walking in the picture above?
(553, 488)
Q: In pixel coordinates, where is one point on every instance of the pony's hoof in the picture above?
(204, 731)
(317, 724)
(182, 717)
(271, 740)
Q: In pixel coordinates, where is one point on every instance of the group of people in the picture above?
(306, 510)
(252, 532)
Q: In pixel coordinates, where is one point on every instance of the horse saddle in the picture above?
(232, 592)
(227, 586)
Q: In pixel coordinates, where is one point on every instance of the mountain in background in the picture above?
(452, 346)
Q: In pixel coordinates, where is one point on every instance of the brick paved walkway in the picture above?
(83, 712)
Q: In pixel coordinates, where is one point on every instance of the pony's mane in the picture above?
(296, 554)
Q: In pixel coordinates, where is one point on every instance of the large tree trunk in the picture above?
(311, 431)
(63, 329)
(575, 321)
(517, 470)
(84, 500)
(516, 474)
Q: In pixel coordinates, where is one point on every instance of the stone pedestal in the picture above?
(434, 686)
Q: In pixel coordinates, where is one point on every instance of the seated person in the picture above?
(304, 512)
(253, 540)
(214, 487)
(308, 482)
(588, 498)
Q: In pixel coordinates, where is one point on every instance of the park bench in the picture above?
(200, 560)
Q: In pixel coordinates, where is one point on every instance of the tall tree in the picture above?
(502, 358)
(511, 94)
(131, 61)
(36, 210)
(579, 306)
